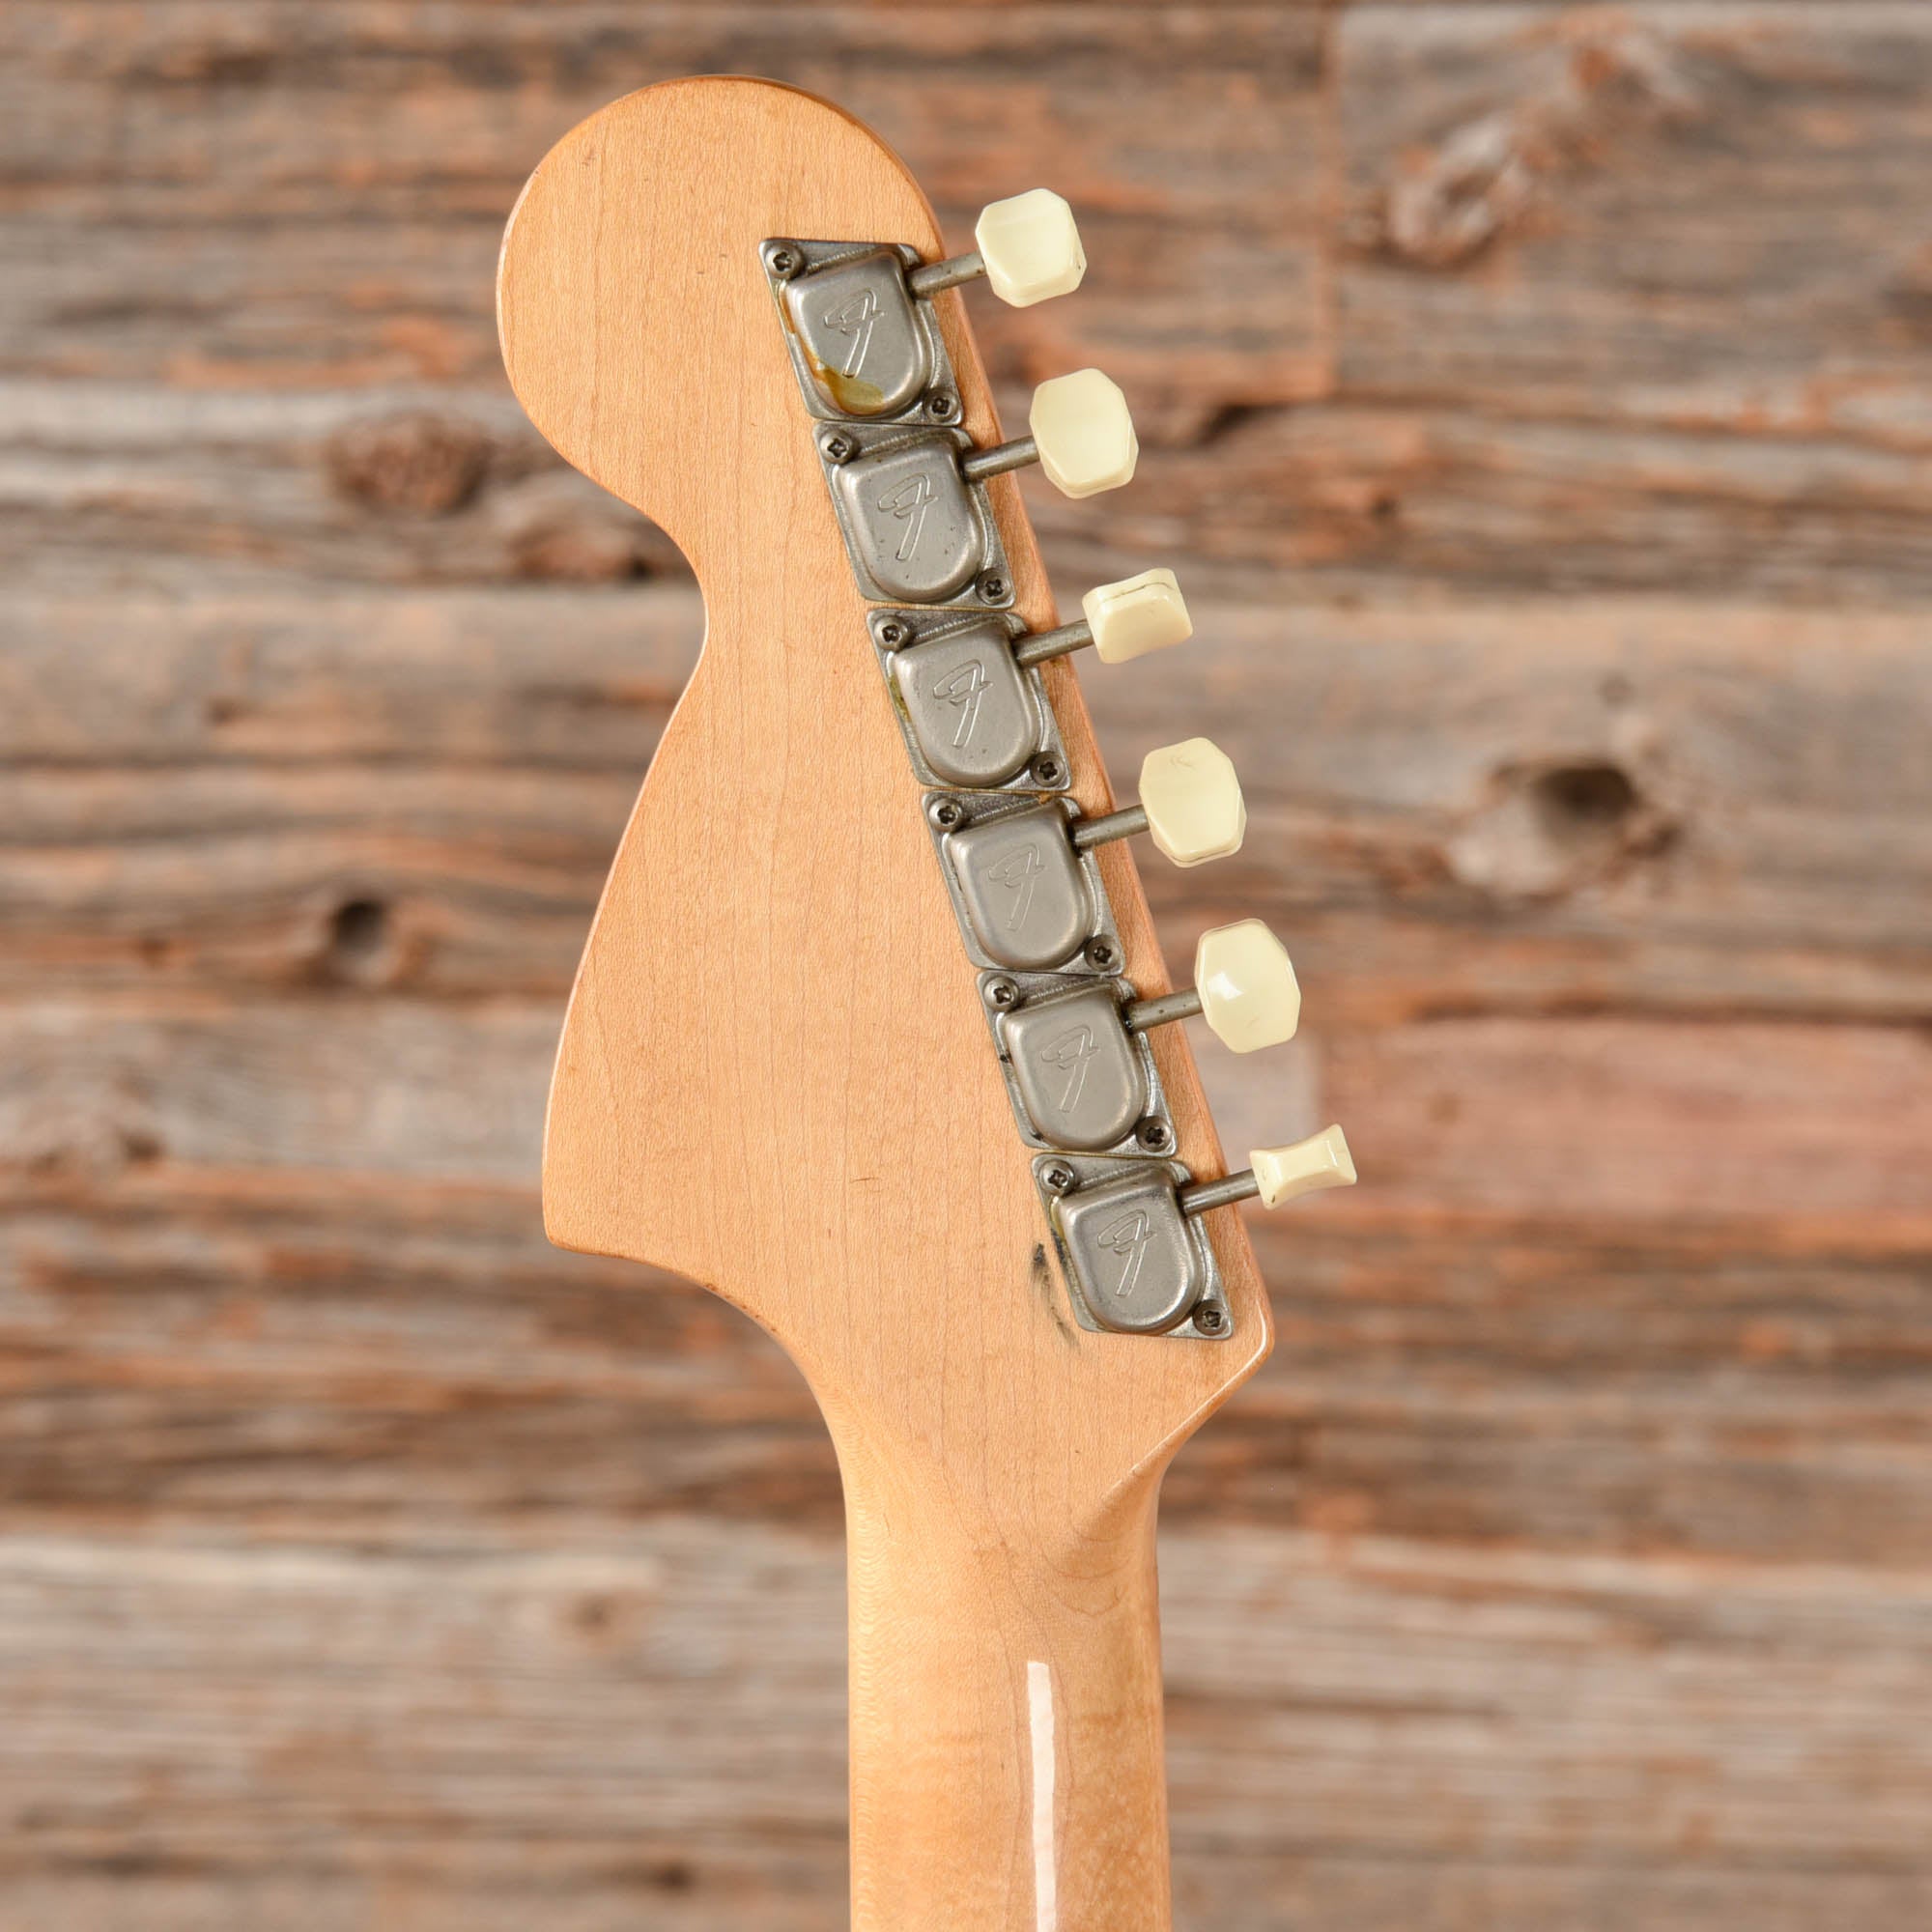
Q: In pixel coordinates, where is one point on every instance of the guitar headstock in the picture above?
(872, 1032)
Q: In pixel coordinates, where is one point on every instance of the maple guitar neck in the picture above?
(779, 1076)
(1005, 1712)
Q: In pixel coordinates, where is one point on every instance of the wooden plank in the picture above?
(1684, 165)
(1371, 499)
(1648, 444)
(193, 493)
(374, 1086)
(1559, 807)
(458, 881)
(258, 113)
(316, 1356)
(1817, 1123)
(1616, 1280)
(300, 1353)
(1628, 1119)
(176, 492)
(647, 1718)
(538, 678)
(791, 1887)
(1622, 302)
(1668, 213)
(1489, 809)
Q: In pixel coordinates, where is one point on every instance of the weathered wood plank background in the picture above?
(1537, 400)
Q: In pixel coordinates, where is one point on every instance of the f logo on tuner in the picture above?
(907, 501)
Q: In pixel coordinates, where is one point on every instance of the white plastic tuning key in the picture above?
(1136, 615)
(1120, 621)
(1083, 433)
(1031, 247)
(1193, 802)
(1277, 1174)
(1190, 806)
(1247, 987)
(1243, 987)
(1321, 1160)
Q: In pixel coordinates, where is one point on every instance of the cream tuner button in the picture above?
(1322, 1160)
(1247, 987)
(1277, 1174)
(1083, 433)
(1120, 621)
(1136, 615)
(1193, 802)
(1191, 805)
(1031, 247)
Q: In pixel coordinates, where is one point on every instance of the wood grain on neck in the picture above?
(775, 1076)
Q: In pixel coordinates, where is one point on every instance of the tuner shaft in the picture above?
(1128, 823)
(1044, 645)
(1001, 458)
(936, 277)
(1120, 621)
(1162, 1010)
(1277, 1174)
(1199, 1196)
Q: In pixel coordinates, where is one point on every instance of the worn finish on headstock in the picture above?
(776, 1079)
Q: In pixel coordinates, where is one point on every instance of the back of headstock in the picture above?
(844, 1045)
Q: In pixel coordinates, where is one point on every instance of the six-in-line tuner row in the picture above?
(908, 486)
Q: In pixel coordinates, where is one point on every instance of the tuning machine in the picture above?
(968, 695)
(1022, 875)
(1129, 1231)
(911, 499)
(862, 331)
(871, 362)
(1029, 249)
(909, 488)
(1074, 1051)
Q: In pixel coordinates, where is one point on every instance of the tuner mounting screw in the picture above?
(783, 262)
(1048, 770)
(1002, 993)
(994, 588)
(1102, 954)
(945, 813)
(1209, 1321)
(941, 406)
(1154, 1136)
(894, 632)
(1057, 1178)
(839, 449)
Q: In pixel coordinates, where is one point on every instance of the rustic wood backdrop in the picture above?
(1537, 402)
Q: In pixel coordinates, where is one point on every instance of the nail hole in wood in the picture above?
(360, 936)
(1591, 797)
